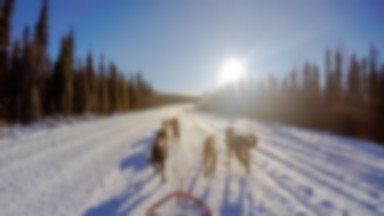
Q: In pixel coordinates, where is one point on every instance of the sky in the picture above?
(181, 45)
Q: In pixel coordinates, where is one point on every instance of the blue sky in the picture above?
(180, 45)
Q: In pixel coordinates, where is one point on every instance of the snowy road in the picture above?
(100, 167)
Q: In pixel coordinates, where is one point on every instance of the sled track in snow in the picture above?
(99, 167)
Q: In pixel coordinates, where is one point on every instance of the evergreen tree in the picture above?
(113, 88)
(6, 12)
(26, 76)
(380, 121)
(354, 80)
(120, 89)
(63, 76)
(306, 80)
(92, 83)
(132, 93)
(363, 76)
(329, 85)
(138, 91)
(40, 72)
(5, 24)
(373, 77)
(315, 84)
(124, 94)
(30, 87)
(35, 109)
(126, 99)
(338, 76)
(104, 100)
(15, 87)
(82, 96)
(41, 37)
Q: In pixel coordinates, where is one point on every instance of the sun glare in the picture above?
(232, 71)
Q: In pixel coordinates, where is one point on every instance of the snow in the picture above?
(100, 167)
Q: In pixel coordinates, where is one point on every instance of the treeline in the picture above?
(347, 98)
(162, 99)
(33, 85)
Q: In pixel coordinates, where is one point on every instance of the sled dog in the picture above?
(240, 145)
(209, 155)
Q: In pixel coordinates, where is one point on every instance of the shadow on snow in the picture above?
(236, 208)
(138, 161)
(127, 202)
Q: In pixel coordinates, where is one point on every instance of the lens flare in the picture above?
(232, 71)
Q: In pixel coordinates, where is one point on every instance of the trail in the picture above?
(100, 167)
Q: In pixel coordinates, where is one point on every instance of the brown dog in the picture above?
(209, 155)
(159, 153)
(172, 128)
(166, 127)
(241, 145)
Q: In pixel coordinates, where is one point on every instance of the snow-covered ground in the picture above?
(99, 167)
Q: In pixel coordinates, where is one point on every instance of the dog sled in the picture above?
(179, 203)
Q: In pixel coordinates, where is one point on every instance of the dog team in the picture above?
(238, 144)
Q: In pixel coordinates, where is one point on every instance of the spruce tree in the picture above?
(26, 76)
(338, 76)
(63, 76)
(35, 108)
(30, 87)
(76, 87)
(353, 80)
(40, 72)
(113, 88)
(380, 121)
(104, 101)
(363, 78)
(293, 83)
(6, 12)
(329, 81)
(125, 95)
(315, 84)
(82, 96)
(92, 83)
(306, 80)
(5, 24)
(373, 77)
(132, 93)
(41, 31)
(15, 84)
(139, 91)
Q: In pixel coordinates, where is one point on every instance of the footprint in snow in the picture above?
(326, 204)
(308, 192)
(301, 214)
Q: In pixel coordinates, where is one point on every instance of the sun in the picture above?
(232, 71)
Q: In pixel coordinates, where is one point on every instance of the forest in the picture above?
(346, 98)
(33, 85)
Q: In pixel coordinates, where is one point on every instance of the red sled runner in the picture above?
(181, 204)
